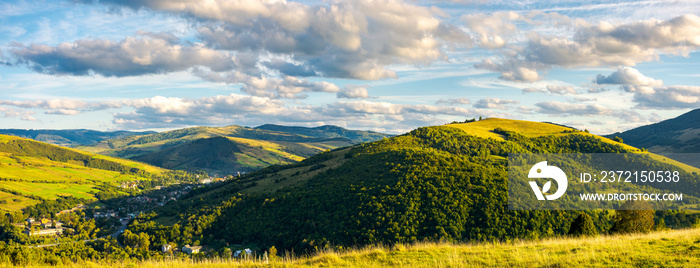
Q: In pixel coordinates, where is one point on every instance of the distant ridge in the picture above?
(328, 131)
(676, 135)
(231, 149)
(70, 137)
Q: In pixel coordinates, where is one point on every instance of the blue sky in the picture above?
(380, 65)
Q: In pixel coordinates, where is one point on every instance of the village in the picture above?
(119, 213)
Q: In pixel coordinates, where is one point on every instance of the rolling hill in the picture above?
(207, 148)
(32, 171)
(71, 137)
(357, 136)
(434, 183)
(676, 135)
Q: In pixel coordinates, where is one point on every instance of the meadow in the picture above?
(669, 248)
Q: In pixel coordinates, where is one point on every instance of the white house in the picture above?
(191, 249)
(165, 248)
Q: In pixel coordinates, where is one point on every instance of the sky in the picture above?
(382, 65)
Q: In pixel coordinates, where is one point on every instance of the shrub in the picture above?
(633, 217)
(583, 226)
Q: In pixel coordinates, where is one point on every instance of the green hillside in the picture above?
(69, 137)
(203, 148)
(32, 171)
(230, 155)
(436, 183)
(357, 136)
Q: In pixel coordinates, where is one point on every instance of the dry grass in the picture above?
(675, 248)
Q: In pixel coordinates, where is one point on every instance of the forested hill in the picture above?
(446, 182)
(357, 136)
(71, 137)
(202, 148)
(676, 135)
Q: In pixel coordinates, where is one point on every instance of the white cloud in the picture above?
(604, 44)
(451, 102)
(627, 76)
(567, 109)
(62, 106)
(353, 93)
(129, 57)
(21, 114)
(287, 87)
(561, 90)
(354, 39)
(494, 103)
(670, 97)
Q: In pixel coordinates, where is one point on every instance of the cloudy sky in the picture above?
(384, 65)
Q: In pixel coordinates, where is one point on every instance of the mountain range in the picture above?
(676, 135)
(70, 137)
(230, 150)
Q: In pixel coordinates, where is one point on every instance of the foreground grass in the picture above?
(677, 248)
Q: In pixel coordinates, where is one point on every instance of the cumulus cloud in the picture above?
(490, 28)
(128, 57)
(354, 39)
(494, 103)
(451, 102)
(353, 93)
(604, 44)
(169, 112)
(567, 109)
(287, 87)
(670, 97)
(627, 76)
(650, 92)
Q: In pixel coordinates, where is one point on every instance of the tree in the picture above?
(144, 241)
(273, 253)
(633, 217)
(583, 226)
(617, 139)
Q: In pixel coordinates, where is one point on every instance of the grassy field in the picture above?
(673, 248)
(484, 129)
(39, 176)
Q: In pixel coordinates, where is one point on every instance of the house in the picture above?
(165, 248)
(239, 253)
(191, 249)
(49, 231)
(46, 225)
(30, 221)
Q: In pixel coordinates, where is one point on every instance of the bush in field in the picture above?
(583, 226)
(633, 217)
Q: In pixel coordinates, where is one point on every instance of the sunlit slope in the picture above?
(486, 129)
(32, 170)
(220, 150)
(231, 155)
